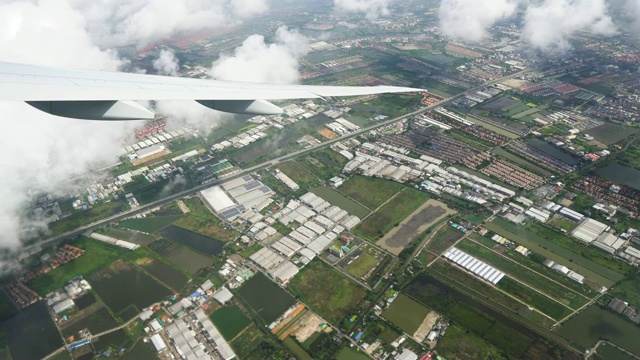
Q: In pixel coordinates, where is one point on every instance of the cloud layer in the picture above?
(547, 24)
(372, 9)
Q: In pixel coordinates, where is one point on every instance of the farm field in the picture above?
(533, 298)
(298, 174)
(460, 344)
(414, 225)
(193, 240)
(551, 249)
(609, 134)
(201, 220)
(334, 197)
(246, 342)
(493, 128)
(183, 257)
(333, 299)
(495, 327)
(360, 266)
(347, 353)
(140, 351)
(266, 298)
(406, 313)
(390, 214)
(516, 270)
(593, 324)
(443, 239)
(122, 284)
(96, 322)
(296, 350)
(230, 320)
(97, 255)
(34, 322)
(165, 273)
(368, 191)
(149, 225)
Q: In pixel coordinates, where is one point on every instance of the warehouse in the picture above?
(571, 214)
(323, 222)
(287, 180)
(284, 272)
(319, 244)
(266, 259)
(217, 198)
(589, 230)
(476, 266)
(314, 227)
(350, 222)
(223, 295)
(608, 242)
(297, 236)
(158, 343)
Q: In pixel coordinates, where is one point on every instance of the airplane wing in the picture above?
(111, 96)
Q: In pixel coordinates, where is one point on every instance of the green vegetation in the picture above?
(609, 133)
(518, 271)
(360, 266)
(246, 342)
(368, 191)
(296, 349)
(202, 221)
(250, 250)
(82, 217)
(391, 213)
(561, 249)
(406, 313)
(299, 174)
(444, 239)
(97, 255)
(460, 344)
(331, 294)
(535, 299)
(150, 224)
(96, 322)
(628, 289)
(230, 320)
(347, 353)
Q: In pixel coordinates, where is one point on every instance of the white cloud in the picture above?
(372, 9)
(166, 63)
(257, 61)
(548, 25)
(470, 19)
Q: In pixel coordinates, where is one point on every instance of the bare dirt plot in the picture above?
(287, 319)
(413, 225)
(426, 326)
(309, 324)
(328, 134)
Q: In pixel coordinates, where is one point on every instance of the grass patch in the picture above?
(406, 313)
(246, 342)
(200, 220)
(97, 255)
(151, 224)
(368, 191)
(360, 266)
(335, 198)
(391, 213)
(347, 353)
(230, 321)
(331, 294)
(296, 349)
(298, 174)
(460, 344)
(535, 299)
(250, 250)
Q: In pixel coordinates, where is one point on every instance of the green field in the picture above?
(266, 298)
(493, 128)
(406, 313)
(202, 221)
(628, 289)
(335, 198)
(518, 271)
(96, 322)
(368, 191)
(460, 344)
(296, 350)
(244, 344)
(443, 239)
(230, 320)
(533, 298)
(360, 266)
(347, 353)
(150, 224)
(328, 292)
(553, 250)
(391, 213)
(611, 133)
(298, 174)
(97, 255)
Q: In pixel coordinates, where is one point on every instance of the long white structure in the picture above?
(476, 266)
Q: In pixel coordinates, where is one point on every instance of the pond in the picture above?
(195, 241)
(553, 151)
(621, 175)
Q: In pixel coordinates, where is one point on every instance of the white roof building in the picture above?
(158, 343)
(223, 295)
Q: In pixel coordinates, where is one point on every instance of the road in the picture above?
(38, 246)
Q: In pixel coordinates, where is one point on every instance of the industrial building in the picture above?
(223, 295)
(158, 343)
(186, 341)
(479, 268)
(234, 197)
(589, 230)
(608, 242)
(287, 180)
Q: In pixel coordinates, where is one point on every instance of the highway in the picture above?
(39, 245)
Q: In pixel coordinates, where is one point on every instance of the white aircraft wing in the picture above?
(111, 95)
